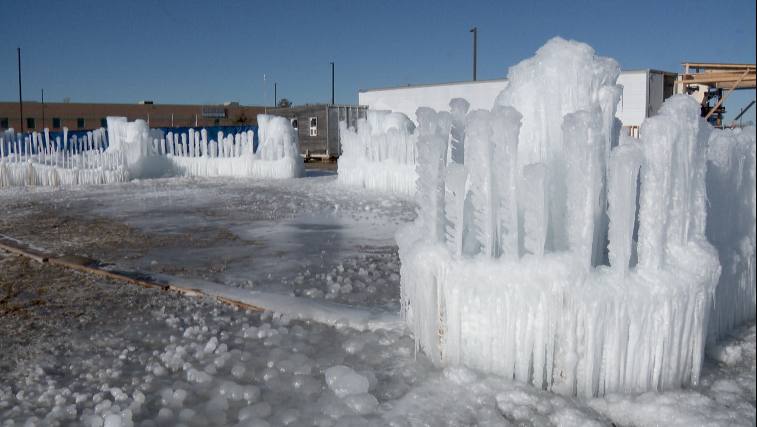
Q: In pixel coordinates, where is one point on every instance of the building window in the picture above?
(80, 123)
(4, 123)
(295, 125)
(31, 123)
(314, 126)
(56, 122)
(103, 123)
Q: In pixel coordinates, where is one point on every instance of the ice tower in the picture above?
(550, 250)
(380, 153)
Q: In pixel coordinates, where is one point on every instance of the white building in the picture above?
(643, 94)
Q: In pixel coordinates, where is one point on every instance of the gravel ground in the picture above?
(42, 306)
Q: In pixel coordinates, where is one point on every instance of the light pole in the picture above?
(275, 98)
(332, 83)
(265, 96)
(475, 37)
(20, 104)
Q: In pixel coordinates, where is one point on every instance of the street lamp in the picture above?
(332, 83)
(20, 104)
(475, 36)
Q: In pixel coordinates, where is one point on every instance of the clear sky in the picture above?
(210, 52)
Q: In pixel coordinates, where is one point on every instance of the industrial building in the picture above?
(644, 91)
(37, 116)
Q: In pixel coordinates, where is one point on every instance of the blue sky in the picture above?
(209, 52)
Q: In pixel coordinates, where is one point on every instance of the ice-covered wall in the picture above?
(537, 256)
(134, 151)
(379, 154)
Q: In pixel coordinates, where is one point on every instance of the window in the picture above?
(80, 123)
(30, 123)
(4, 123)
(56, 122)
(294, 124)
(104, 123)
(313, 126)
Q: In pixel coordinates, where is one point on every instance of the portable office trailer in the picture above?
(643, 94)
(317, 126)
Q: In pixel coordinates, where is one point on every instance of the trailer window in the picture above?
(313, 126)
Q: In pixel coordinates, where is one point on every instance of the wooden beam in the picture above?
(89, 265)
(716, 74)
(742, 112)
(716, 66)
(748, 77)
(712, 82)
(725, 96)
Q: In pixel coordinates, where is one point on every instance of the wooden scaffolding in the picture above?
(715, 79)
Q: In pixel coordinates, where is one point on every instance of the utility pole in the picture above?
(20, 104)
(275, 97)
(332, 83)
(43, 108)
(475, 42)
(265, 96)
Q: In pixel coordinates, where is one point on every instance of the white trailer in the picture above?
(643, 94)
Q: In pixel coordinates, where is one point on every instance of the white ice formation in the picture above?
(549, 251)
(380, 153)
(132, 150)
(36, 159)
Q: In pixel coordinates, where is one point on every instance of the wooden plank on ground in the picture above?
(94, 266)
(15, 246)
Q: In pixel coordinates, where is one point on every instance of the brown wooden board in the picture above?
(112, 271)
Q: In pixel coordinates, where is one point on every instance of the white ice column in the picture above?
(506, 123)
(584, 161)
(624, 164)
(536, 207)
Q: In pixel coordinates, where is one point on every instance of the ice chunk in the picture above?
(344, 381)
(362, 403)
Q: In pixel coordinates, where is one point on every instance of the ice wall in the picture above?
(38, 159)
(134, 151)
(506, 268)
(379, 154)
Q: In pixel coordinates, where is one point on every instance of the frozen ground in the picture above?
(78, 349)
